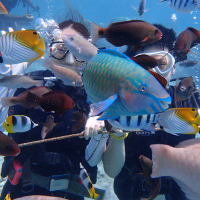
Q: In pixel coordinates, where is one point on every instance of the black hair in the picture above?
(77, 26)
(167, 40)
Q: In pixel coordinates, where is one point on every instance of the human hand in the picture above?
(92, 127)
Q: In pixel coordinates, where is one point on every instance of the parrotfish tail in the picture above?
(158, 158)
(96, 32)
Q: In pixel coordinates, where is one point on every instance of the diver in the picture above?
(14, 21)
(58, 160)
(121, 156)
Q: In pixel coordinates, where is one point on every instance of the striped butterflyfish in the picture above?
(182, 6)
(18, 123)
(21, 46)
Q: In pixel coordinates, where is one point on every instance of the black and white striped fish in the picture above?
(183, 6)
(130, 123)
(18, 123)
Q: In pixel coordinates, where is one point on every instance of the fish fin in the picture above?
(150, 127)
(35, 125)
(115, 53)
(188, 143)
(3, 9)
(145, 39)
(162, 1)
(125, 94)
(116, 123)
(4, 125)
(48, 63)
(134, 48)
(159, 78)
(107, 115)
(8, 101)
(97, 32)
(195, 31)
(134, 8)
(99, 107)
(53, 92)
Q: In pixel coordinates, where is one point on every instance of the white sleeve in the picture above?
(95, 150)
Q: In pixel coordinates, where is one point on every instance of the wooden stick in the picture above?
(56, 138)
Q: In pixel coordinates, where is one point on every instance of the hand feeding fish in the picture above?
(181, 163)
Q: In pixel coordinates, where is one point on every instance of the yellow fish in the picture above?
(3, 9)
(21, 46)
(180, 120)
(7, 197)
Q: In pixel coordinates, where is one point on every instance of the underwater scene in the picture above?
(99, 99)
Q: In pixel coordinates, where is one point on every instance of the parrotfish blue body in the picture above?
(117, 84)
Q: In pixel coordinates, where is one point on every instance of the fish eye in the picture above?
(156, 31)
(35, 33)
(182, 89)
(143, 88)
(71, 39)
(193, 109)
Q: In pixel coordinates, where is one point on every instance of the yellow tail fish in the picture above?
(21, 46)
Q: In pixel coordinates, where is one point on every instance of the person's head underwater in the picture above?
(58, 51)
(160, 51)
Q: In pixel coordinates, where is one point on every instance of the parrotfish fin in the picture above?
(195, 31)
(97, 32)
(115, 53)
(187, 143)
(127, 98)
(99, 107)
(107, 115)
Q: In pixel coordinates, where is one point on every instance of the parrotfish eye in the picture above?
(143, 88)
(71, 39)
(35, 33)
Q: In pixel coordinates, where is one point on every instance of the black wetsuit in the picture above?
(73, 149)
(127, 185)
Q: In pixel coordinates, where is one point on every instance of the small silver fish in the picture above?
(141, 8)
(182, 6)
(80, 47)
(19, 81)
(188, 63)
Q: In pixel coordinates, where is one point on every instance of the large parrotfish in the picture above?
(117, 84)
